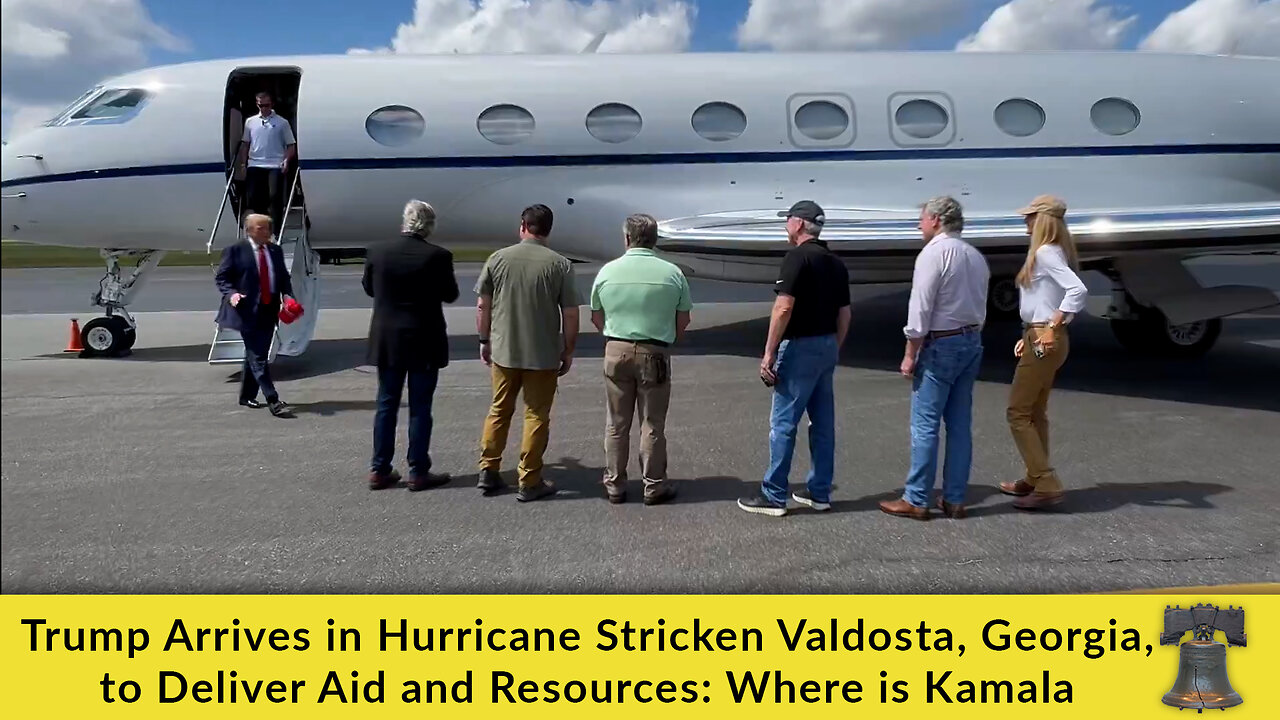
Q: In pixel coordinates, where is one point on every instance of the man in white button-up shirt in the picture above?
(1051, 293)
(267, 147)
(945, 316)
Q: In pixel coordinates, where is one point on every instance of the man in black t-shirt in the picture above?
(809, 322)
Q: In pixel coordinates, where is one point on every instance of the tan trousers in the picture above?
(1029, 404)
(637, 379)
(539, 388)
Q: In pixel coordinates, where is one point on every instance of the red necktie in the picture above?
(264, 277)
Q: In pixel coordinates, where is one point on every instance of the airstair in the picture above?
(304, 273)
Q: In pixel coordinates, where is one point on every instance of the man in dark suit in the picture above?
(252, 306)
(409, 279)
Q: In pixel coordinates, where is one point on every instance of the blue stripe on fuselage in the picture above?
(719, 158)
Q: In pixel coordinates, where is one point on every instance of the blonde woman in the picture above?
(1051, 293)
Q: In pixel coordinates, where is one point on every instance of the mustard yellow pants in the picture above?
(539, 387)
(1029, 404)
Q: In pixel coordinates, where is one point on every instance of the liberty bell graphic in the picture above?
(1202, 662)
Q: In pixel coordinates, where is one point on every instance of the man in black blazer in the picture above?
(253, 308)
(408, 278)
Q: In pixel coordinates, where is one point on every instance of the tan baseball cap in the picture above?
(1045, 204)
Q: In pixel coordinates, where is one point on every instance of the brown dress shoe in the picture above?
(1017, 488)
(902, 508)
(1039, 501)
(418, 483)
(379, 481)
(955, 512)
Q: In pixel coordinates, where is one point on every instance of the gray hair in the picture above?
(810, 228)
(641, 231)
(948, 212)
(419, 218)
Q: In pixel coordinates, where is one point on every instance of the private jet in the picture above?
(1160, 157)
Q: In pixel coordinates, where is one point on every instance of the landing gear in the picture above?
(114, 334)
(110, 336)
(1151, 333)
(1003, 299)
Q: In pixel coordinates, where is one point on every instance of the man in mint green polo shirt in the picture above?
(641, 304)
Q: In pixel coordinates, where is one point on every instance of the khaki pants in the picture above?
(539, 391)
(637, 378)
(1028, 407)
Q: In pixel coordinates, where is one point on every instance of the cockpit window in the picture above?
(101, 107)
(79, 102)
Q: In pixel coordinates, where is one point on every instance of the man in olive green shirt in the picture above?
(641, 304)
(526, 296)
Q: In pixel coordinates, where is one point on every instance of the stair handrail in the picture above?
(226, 193)
(293, 188)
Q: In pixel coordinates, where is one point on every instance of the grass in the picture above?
(24, 255)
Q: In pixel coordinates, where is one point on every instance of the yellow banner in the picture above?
(629, 656)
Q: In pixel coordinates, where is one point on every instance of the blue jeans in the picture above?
(805, 368)
(422, 388)
(942, 390)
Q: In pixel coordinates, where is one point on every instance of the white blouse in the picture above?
(1054, 286)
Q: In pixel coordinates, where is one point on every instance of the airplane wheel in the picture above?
(1002, 299)
(1152, 333)
(106, 336)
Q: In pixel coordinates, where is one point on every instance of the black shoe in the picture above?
(254, 404)
(666, 494)
(761, 505)
(281, 409)
(804, 498)
(490, 482)
(536, 492)
(427, 481)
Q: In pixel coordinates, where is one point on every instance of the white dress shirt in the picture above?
(948, 288)
(1053, 287)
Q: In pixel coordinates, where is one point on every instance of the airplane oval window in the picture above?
(719, 121)
(921, 118)
(395, 125)
(821, 120)
(614, 123)
(1019, 117)
(1115, 116)
(505, 124)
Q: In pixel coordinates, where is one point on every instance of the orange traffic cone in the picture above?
(74, 345)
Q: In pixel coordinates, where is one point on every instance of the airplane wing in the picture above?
(851, 231)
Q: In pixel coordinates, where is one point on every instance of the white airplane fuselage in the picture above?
(1206, 142)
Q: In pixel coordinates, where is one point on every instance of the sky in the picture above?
(53, 50)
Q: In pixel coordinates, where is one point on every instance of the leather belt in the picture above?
(657, 343)
(948, 333)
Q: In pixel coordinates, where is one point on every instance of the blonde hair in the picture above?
(1048, 229)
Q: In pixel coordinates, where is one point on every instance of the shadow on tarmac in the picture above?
(1234, 374)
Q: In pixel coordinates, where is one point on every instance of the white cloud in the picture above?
(1029, 25)
(843, 24)
(544, 26)
(1243, 27)
(53, 50)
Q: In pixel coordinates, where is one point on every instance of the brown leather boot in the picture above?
(902, 508)
(1017, 488)
(379, 481)
(955, 512)
(1039, 501)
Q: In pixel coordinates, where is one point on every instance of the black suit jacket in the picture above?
(238, 273)
(409, 279)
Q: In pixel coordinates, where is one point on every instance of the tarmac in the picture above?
(143, 475)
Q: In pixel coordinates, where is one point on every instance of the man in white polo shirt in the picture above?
(268, 146)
